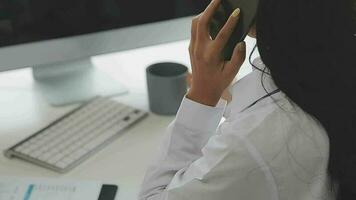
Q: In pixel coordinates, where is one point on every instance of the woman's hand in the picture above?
(211, 74)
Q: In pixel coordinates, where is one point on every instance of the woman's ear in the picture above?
(252, 33)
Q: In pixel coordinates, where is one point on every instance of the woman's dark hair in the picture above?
(309, 47)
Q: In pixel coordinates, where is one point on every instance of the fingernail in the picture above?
(241, 46)
(236, 12)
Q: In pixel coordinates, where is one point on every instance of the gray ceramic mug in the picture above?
(167, 85)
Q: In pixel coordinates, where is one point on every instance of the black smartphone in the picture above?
(108, 192)
(248, 9)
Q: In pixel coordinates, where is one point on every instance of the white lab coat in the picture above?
(270, 151)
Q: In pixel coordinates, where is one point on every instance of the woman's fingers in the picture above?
(193, 33)
(225, 33)
(232, 67)
(205, 18)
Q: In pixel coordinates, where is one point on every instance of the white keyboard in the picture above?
(70, 140)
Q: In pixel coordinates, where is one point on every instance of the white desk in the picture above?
(23, 111)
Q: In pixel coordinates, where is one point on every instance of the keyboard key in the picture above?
(44, 156)
(62, 164)
(25, 151)
(55, 158)
(36, 154)
(19, 148)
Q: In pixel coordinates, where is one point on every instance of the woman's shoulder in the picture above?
(274, 112)
(273, 123)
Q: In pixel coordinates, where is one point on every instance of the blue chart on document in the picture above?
(47, 189)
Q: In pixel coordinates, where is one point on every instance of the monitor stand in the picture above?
(74, 82)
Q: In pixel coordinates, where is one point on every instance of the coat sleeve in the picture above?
(200, 160)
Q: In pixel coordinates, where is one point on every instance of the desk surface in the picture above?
(24, 111)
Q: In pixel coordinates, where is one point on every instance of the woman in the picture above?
(290, 129)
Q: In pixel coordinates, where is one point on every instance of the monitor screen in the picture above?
(23, 21)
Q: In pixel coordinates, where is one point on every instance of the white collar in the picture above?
(249, 89)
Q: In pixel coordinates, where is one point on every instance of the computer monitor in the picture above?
(57, 38)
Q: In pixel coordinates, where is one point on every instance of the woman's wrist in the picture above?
(208, 99)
